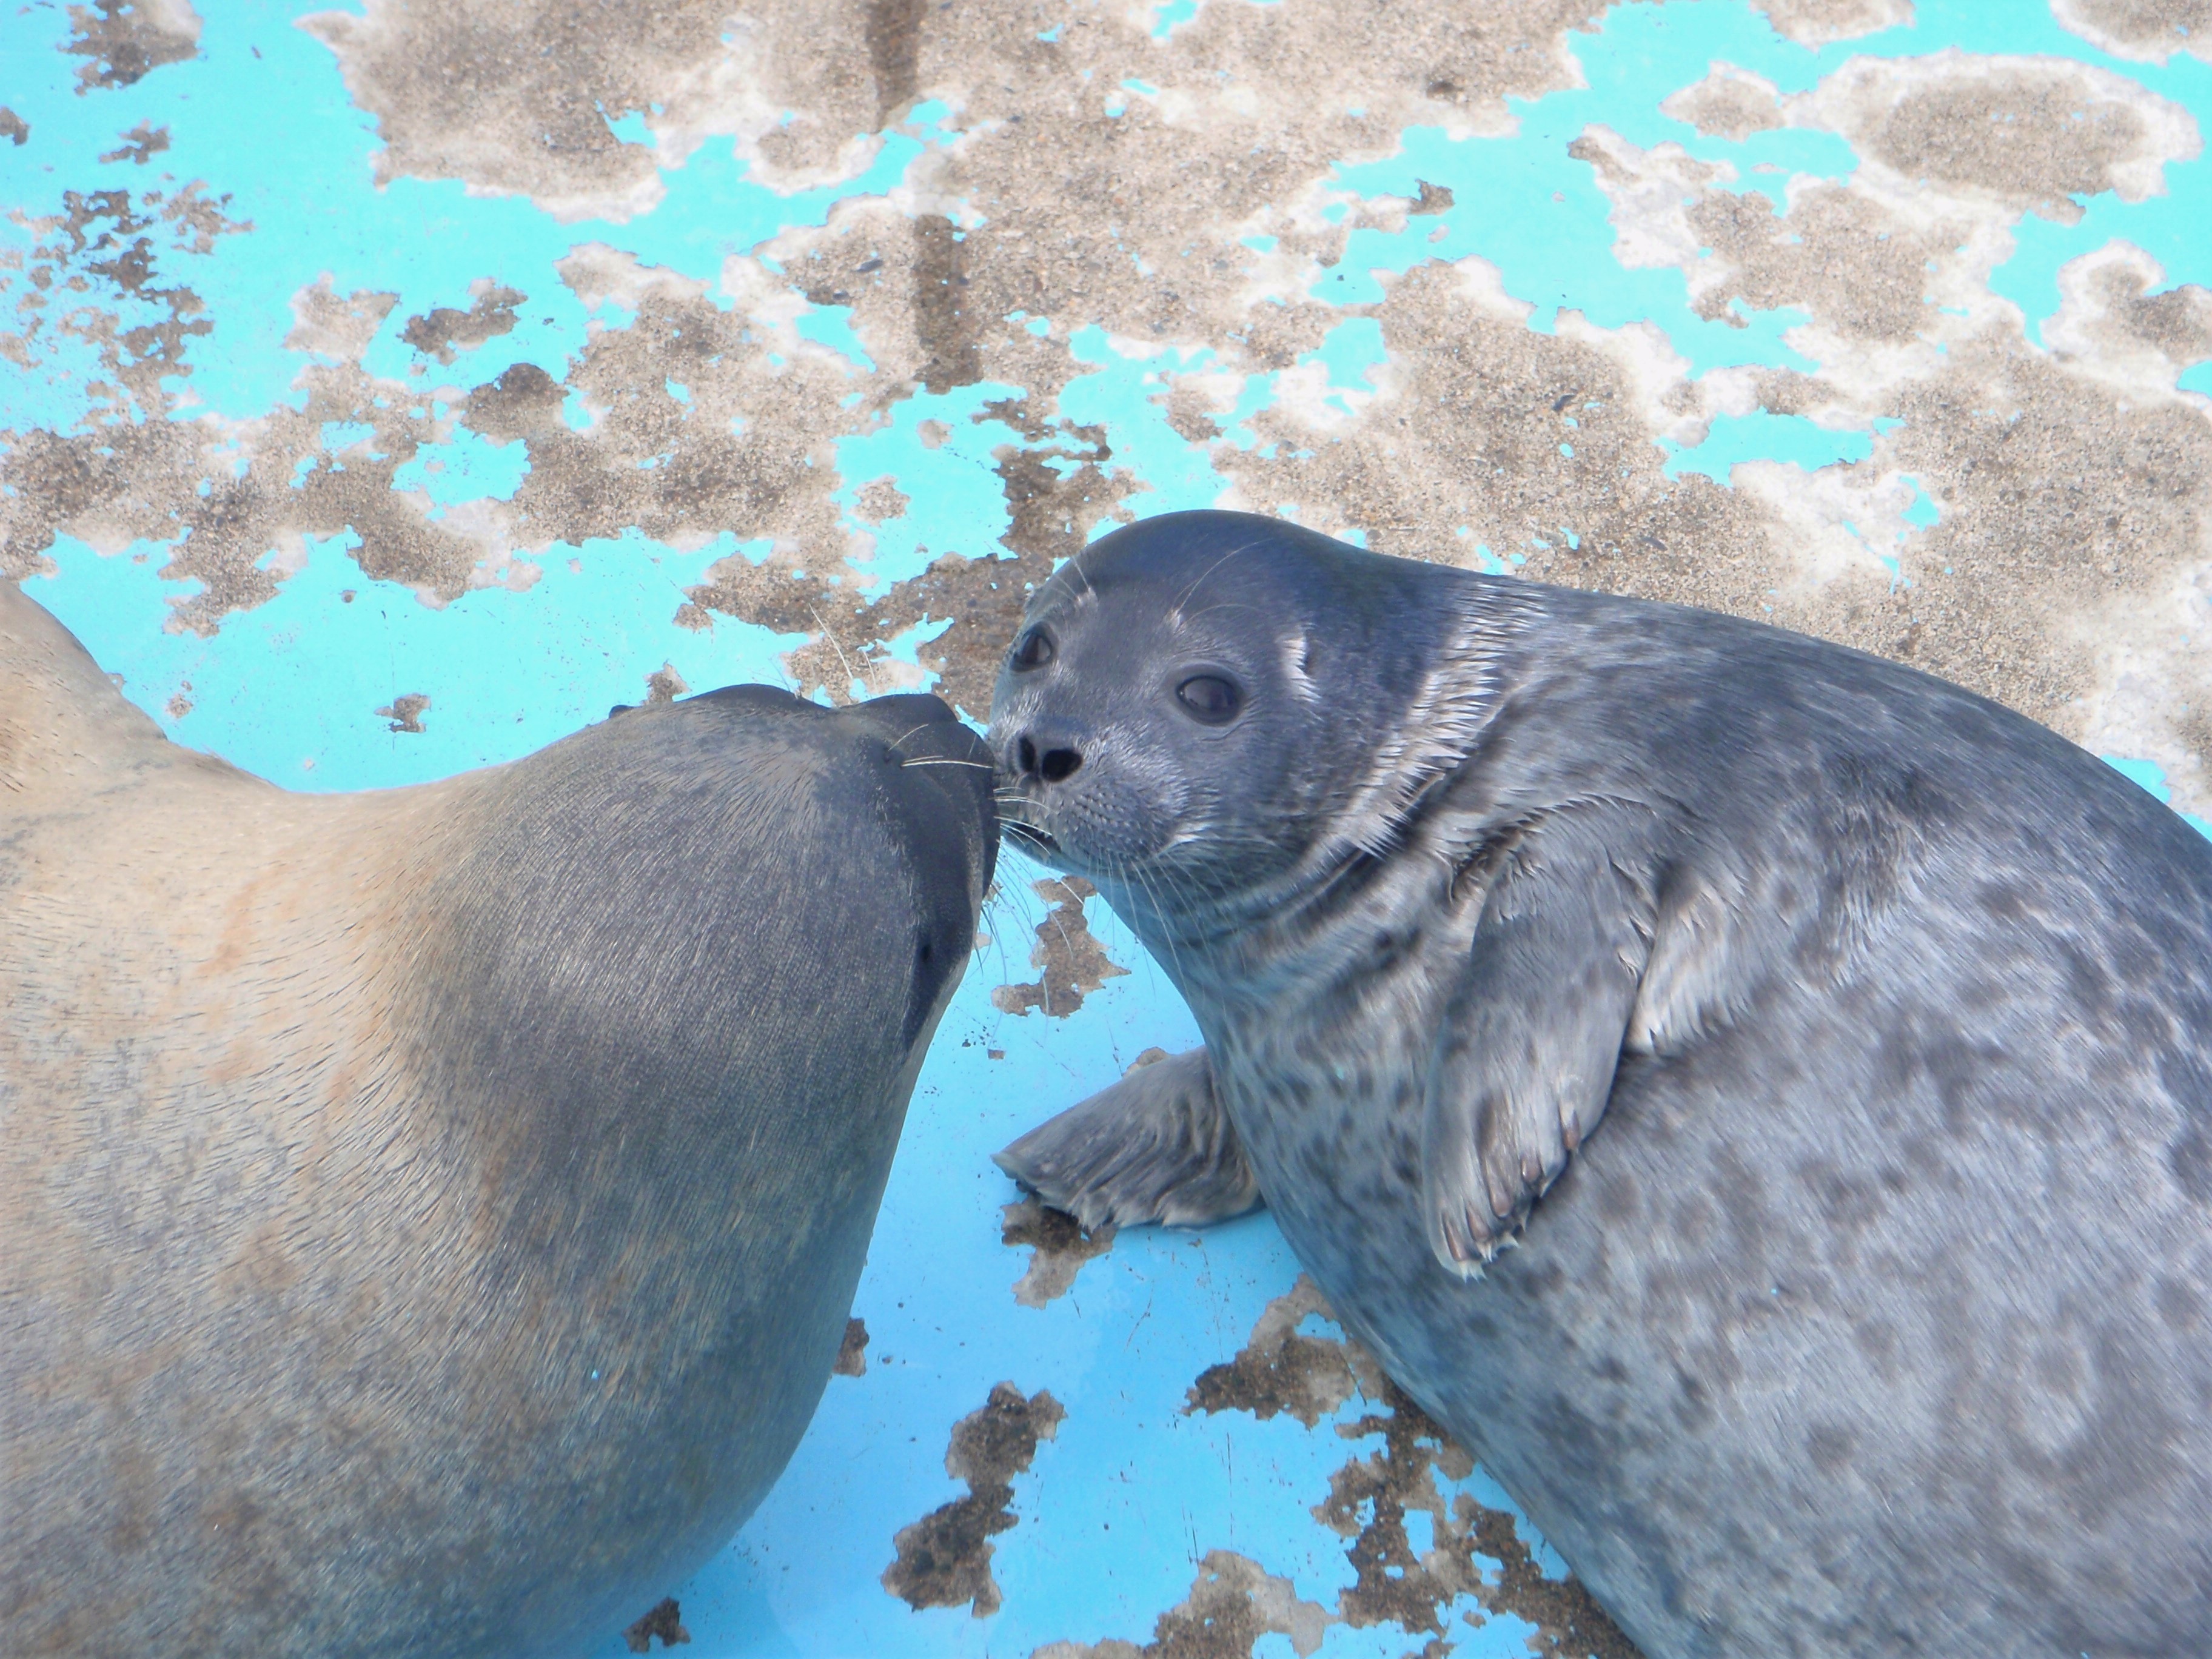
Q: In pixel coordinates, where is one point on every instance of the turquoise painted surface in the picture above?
(1115, 1508)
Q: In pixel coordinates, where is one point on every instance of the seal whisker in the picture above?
(1176, 610)
(893, 745)
(1135, 871)
(842, 658)
(1225, 605)
(1075, 563)
(1025, 839)
(1193, 900)
(947, 760)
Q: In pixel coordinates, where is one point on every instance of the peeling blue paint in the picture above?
(1350, 351)
(832, 326)
(1169, 15)
(962, 507)
(467, 467)
(1762, 436)
(290, 689)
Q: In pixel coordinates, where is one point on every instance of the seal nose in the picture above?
(1048, 762)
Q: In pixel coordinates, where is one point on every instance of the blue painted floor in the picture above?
(231, 249)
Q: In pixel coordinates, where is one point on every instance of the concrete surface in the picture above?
(383, 393)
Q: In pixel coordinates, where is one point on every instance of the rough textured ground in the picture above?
(1178, 185)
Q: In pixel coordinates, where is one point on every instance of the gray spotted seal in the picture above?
(1836, 1044)
(431, 1215)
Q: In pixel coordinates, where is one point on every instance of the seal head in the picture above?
(1191, 706)
(434, 1213)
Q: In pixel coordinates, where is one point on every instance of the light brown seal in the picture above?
(431, 1216)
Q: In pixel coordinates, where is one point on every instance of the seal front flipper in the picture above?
(1524, 1060)
(1155, 1146)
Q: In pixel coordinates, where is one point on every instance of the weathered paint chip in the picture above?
(852, 1350)
(1233, 1602)
(944, 1559)
(405, 713)
(1059, 1245)
(1074, 964)
(1278, 1369)
(444, 333)
(666, 1621)
(123, 40)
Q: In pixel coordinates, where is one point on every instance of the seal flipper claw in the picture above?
(1155, 1146)
(1524, 1061)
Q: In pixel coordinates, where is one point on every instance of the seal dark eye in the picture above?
(1034, 651)
(1210, 698)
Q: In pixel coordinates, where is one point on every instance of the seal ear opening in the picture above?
(931, 966)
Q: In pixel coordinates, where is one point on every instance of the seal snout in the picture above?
(1050, 760)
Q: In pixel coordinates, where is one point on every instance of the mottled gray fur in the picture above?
(1836, 1046)
(430, 1216)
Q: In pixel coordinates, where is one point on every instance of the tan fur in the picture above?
(332, 1315)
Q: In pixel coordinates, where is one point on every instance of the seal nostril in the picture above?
(1025, 752)
(1059, 763)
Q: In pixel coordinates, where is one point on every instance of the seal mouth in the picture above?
(1018, 828)
(1015, 827)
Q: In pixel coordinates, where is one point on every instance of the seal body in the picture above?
(1835, 1047)
(432, 1215)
